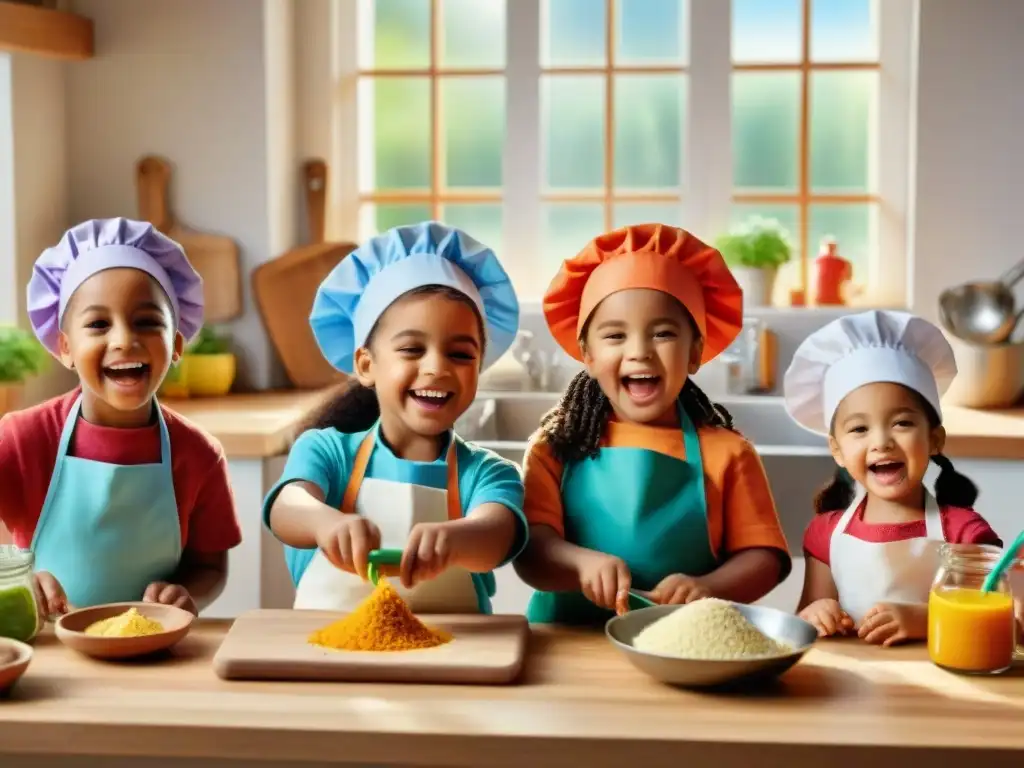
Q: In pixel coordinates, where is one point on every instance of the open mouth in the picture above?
(126, 374)
(642, 387)
(888, 472)
(431, 399)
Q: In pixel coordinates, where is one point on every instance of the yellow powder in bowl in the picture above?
(708, 629)
(131, 623)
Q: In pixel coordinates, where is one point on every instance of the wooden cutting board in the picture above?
(214, 257)
(285, 287)
(271, 645)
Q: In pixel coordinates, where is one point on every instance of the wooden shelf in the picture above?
(45, 32)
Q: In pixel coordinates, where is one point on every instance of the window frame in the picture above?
(706, 194)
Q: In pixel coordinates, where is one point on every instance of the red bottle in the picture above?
(831, 271)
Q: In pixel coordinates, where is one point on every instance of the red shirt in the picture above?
(959, 526)
(29, 441)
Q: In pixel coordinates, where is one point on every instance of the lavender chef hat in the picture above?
(100, 244)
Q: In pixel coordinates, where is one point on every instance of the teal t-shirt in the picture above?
(324, 457)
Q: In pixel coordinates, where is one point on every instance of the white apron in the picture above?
(395, 508)
(867, 572)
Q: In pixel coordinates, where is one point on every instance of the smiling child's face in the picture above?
(118, 335)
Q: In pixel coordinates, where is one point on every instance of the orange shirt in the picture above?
(740, 508)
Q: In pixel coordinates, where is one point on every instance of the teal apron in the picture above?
(107, 531)
(637, 504)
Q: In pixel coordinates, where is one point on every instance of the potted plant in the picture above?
(21, 356)
(209, 364)
(754, 252)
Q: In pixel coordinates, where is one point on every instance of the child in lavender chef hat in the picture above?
(118, 498)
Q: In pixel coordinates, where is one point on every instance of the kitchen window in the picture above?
(537, 124)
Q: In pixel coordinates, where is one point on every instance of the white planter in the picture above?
(757, 285)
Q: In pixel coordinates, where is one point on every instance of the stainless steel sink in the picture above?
(504, 421)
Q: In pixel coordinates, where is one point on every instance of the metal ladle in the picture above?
(984, 313)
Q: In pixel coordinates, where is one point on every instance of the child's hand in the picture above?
(677, 589)
(890, 623)
(347, 543)
(170, 594)
(605, 580)
(430, 549)
(50, 595)
(828, 617)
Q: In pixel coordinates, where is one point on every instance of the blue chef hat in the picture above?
(367, 281)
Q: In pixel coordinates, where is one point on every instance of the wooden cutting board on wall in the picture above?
(214, 257)
(285, 287)
(272, 645)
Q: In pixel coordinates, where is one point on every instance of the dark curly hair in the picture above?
(951, 488)
(573, 428)
(352, 407)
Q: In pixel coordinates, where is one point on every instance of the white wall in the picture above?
(970, 146)
(189, 80)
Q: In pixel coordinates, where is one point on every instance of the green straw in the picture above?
(1008, 556)
(639, 601)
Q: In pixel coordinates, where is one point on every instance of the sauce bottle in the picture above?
(831, 272)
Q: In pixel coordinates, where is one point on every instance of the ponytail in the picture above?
(837, 494)
(350, 408)
(951, 488)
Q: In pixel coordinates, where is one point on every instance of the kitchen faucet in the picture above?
(538, 364)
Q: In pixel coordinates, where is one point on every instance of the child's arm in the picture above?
(818, 583)
(755, 553)
(10, 481)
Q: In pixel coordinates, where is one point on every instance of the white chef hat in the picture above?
(869, 347)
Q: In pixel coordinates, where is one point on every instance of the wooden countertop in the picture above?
(579, 703)
(972, 433)
(251, 425)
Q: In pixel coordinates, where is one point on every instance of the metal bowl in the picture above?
(702, 673)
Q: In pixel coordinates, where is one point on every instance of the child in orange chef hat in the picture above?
(636, 479)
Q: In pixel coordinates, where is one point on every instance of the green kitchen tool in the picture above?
(1009, 555)
(636, 600)
(382, 558)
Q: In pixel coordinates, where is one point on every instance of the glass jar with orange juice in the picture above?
(970, 631)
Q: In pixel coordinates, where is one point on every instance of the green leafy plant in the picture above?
(759, 243)
(21, 355)
(209, 342)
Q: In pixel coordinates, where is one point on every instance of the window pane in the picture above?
(374, 218)
(400, 31)
(843, 109)
(573, 115)
(854, 228)
(628, 214)
(573, 33)
(649, 124)
(567, 228)
(473, 116)
(473, 34)
(651, 32)
(481, 221)
(844, 30)
(767, 31)
(395, 132)
(766, 130)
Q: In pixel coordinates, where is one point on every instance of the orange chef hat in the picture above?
(654, 256)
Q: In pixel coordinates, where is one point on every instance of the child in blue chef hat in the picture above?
(413, 315)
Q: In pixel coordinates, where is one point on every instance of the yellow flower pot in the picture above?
(10, 397)
(210, 375)
(175, 383)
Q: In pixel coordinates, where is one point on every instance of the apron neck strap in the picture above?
(362, 460)
(691, 440)
(76, 411)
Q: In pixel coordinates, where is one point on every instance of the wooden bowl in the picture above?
(14, 659)
(70, 630)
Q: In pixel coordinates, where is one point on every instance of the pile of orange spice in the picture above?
(382, 622)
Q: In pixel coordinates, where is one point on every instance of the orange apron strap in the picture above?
(454, 502)
(348, 501)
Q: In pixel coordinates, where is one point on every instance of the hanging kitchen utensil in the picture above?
(286, 286)
(984, 312)
(214, 257)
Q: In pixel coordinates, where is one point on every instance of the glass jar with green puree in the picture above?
(20, 617)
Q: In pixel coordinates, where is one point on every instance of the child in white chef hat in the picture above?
(872, 383)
